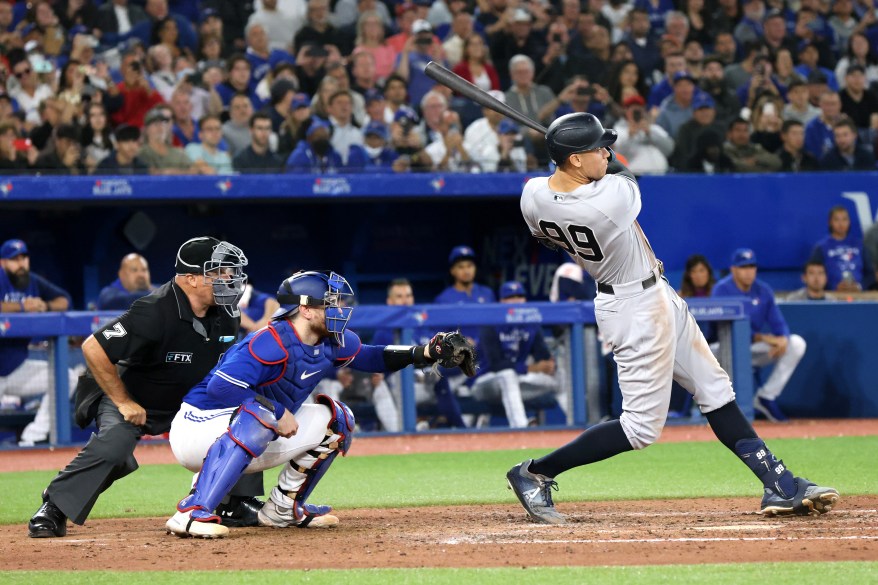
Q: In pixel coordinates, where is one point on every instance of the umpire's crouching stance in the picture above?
(165, 344)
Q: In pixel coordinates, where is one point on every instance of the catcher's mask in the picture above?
(221, 265)
(318, 289)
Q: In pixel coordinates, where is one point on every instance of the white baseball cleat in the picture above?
(184, 525)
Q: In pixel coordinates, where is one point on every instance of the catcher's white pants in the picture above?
(32, 378)
(194, 431)
(512, 390)
(784, 366)
(656, 340)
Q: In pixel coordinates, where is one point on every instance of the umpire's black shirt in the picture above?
(163, 349)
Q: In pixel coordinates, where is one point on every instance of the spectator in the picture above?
(793, 156)
(844, 23)
(676, 109)
(395, 95)
(645, 145)
(318, 30)
(644, 49)
(290, 132)
(131, 98)
(738, 73)
(26, 292)
(345, 134)
(51, 117)
(859, 51)
(363, 74)
(674, 63)
(96, 138)
(419, 50)
(780, 347)
(725, 48)
(475, 66)
(698, 278)
(311, 67)
(763, 82)
(848, 267)
(727, 15)
(784, 69)
(345, 13)
(283, 91)
(161, 76)
(380, 157)
(238, 81)
(516, 364)
(703, 119)
(443, 134)
(315, 154)
(236, 131)
(482, 138)
(157, 11)
(280, 27)
(184, 128)
(116, 18)
(578, 96)
(624, 81)
(157, 153)
(714, 83)
(206, 153)
(858, 102)
(799, 108)
(847, 154)
(257, 157)
(709, 157)
(376, 107)
(29, 92)
(524, 95)
(407, 141)
(260, 54)
(358, 105)
(460, 30)
(64, 157)
(133, 282)
(775, 37)
(767, 123)
(746, 156)
(371, 39)
(814, 279)
(809, 57)
(166, 33)
(701, 26)
(819, 131)
(16, 154)
(750, 27)
(123, 159)
(693, 52)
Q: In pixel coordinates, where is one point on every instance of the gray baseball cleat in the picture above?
(534, 491)
(809, 500)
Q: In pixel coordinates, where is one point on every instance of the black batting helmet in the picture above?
(574, 133)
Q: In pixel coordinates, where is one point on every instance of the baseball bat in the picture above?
(465, 88)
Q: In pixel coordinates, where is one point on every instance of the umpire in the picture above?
(140, 367)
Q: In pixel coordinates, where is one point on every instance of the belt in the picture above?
(633, 287)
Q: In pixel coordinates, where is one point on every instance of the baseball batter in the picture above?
(589, 208)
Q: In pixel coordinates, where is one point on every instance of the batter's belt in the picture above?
(629, 288)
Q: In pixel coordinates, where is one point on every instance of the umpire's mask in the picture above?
(222, 266)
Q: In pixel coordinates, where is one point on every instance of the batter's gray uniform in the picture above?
(654, 338)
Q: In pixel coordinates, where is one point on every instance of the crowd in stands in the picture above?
(324, 86)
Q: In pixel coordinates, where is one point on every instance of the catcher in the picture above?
(249, 415)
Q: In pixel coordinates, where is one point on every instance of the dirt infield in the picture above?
(600, 533)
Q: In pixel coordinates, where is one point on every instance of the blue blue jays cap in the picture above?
(461, 253)
(681, 75)
(512, 288)
(300, 100)
(702, 100)
(13, 248)
(376, 129)
(405, 112)
(744, 257)
(317, 124)
(507, 127)
(373, 95)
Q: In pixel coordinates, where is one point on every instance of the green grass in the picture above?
(780, 574)
(672, 470)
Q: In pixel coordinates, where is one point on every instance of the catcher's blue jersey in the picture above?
(275, 363)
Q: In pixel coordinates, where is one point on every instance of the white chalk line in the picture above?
(469, 540)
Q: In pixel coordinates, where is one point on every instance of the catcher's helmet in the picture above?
(317, 289)
(574, 133)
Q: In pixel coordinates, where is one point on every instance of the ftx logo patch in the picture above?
(178, 357)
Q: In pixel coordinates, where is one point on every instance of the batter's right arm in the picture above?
(107, 377)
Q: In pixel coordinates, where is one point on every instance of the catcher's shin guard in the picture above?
(252, 428)
(299, 477)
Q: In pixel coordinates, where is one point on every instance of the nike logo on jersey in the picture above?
(306, 375)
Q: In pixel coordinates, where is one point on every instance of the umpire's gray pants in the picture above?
(108, 456)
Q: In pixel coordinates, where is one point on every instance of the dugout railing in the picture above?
(578, 318)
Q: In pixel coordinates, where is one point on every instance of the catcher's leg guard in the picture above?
(252, 428)
(287, 504)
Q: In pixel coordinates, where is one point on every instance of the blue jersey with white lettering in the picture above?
(275, 363)
(479, 294)
(13, 350)
(761, 308)
(840, 256)
(509, 346)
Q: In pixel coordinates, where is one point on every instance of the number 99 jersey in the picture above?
(595, 224)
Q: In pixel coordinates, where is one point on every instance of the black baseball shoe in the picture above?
(48, 522)
(240, 512)
(534, 491)
(809, 500)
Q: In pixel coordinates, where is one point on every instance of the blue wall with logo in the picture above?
(372, 229)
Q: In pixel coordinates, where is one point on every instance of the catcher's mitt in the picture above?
(453, 350)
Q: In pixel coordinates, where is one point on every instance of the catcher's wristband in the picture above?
(396, 357)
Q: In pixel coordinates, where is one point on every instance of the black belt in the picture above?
(607, 289)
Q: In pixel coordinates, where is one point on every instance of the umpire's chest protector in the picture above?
(302, 366)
